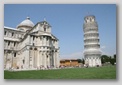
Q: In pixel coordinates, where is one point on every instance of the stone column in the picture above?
(27, 58)
(34, 58)
(47, 41)
(38, 59)
(40, 56)
(31, 40)
(41, 40)
(38, 41)
(12, 59)
(11, 44)
(17, 47)
(14, 45)
(4, 44)
(51, 59)
(54, 56)
(44, 41)
(48, 60)
(89, 63)
(94, 64)
(35, 41)
(57, 59)
(45, 65)
(7, 45)
(44, 58)
(5, 59)
(99, 62)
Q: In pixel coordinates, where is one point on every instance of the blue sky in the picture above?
(67, 23)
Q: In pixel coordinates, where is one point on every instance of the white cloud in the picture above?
(107, 53)
(75, 55)
(103, 47)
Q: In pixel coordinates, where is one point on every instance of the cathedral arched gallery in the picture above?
(30, 46)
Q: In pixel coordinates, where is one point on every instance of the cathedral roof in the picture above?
(26, 22)
(12, 29)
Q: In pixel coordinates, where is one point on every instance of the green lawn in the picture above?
(105, 72)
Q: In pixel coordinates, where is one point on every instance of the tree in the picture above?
(112, 61)
(83, 61)
(104, 59)
(79, 60)
(115, 58)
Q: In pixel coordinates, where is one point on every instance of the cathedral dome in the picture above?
(26, 23)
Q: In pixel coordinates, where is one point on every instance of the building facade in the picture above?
(30, 46)
(69, 62)
(92, 52)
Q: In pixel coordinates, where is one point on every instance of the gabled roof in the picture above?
(46, 23)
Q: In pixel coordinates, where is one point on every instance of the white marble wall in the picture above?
(25, 50)
(92, 62)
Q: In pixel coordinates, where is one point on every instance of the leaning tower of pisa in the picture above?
(92, 52)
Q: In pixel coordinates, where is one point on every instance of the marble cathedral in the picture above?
(30, 46)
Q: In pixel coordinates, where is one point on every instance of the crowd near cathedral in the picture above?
(33, 46)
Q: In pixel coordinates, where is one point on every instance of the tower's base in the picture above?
(93, 62)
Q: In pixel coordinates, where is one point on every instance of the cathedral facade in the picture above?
(30, 46)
